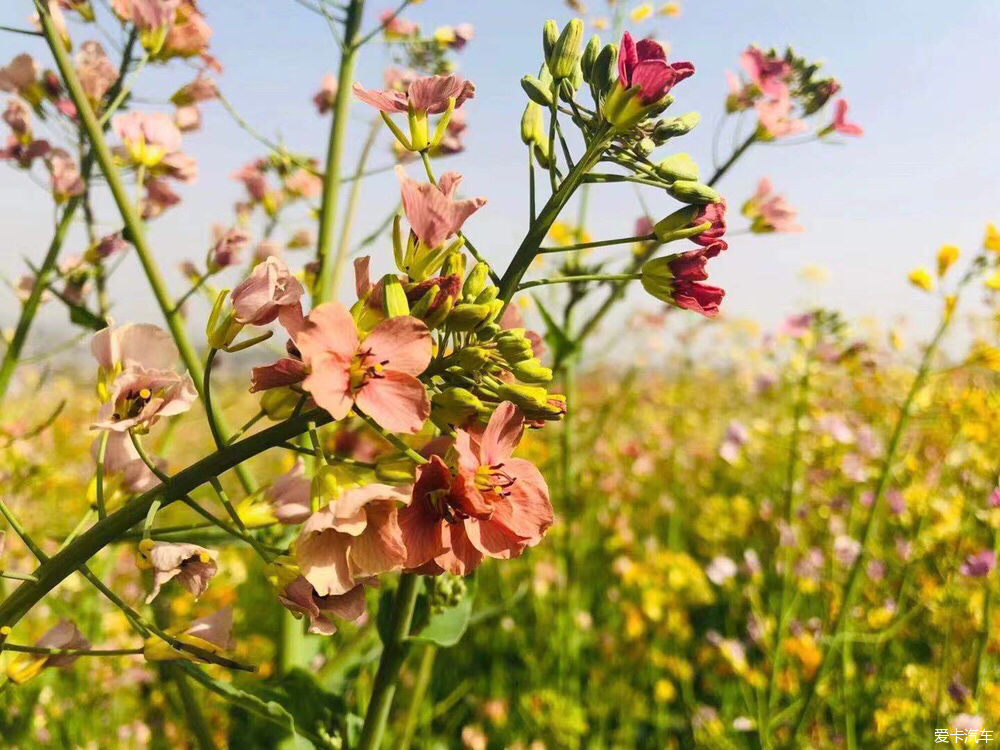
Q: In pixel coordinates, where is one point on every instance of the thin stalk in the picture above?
(335, 152)
(393, 655)
(740, 150)
(192, 708)
(71, 651)
(578, 279)
(396, 442)
(598, 243)
(419, 694)
(340, 260)
(133, 223)
(101, 452)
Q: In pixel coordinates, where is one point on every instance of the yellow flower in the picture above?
(921, 277)
(664, 691)
(444, 35)
(896, 339)
(946, 258)
(673, 10)
(641, 12)
(992, 239)
(600, 23)
(993, 282)
(814, 274)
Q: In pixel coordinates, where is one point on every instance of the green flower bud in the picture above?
(605, 71)
(488, 294)
(469, 316)
(455, 405)
(682, 125)
(394, 298)
(524, 396)
(421, 307)
(537, 91)
(496, 307)
(324, 488)
(487, 332)
(514, 349)
(550, 34)
(454, 264)
(567, 50)
(394, 470)
(533, 125)
(531, 371)
(476, 280)
(689, 191)
(679, 167)
(590, 53)
(438, 316)
(472, 358)
(279, 403)
(221, 330)
(669, 227)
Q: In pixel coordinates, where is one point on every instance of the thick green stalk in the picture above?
(325, 281)
(133, 222)
(550, 212)
(62, 564)
(393, 655)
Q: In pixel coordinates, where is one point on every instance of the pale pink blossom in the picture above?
(141, 397)
(229, 247)
(64, 635)
(66, 179)
(768, 72)
(378, 374)
(266, 293)
(776, 117)
(357, 536)
(134, 345)
(840, 123)
(19, 74)
(18, 117)
(303, 182)
(190, 35)
(327, 94)
(97, 73)
(430, 94)
(147, 14)
(193, 566)
(152, 129)
(770, 212)
(432, 211)
(187, 118)
(300, 597)
(290, 496)
(159, 197)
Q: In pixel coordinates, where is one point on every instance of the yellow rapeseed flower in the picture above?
(993, 282)
(672, 10)
(946, 258)
(641, 12)
(922, 278)
(992, 239)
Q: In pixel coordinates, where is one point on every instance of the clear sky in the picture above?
(921, 78)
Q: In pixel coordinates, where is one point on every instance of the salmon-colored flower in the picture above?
(300, 596)
(97, 73)
(378, 374)
(644, 64)
(430, 95)
(492, 506)
(432, 211)
(191, 565)
(65, 635)
(148, 136)
(327, 94)
(19, 74)
(289, 496)
(775, 116)
(212, 633)
(769, 72)
(355, 537)
(266, 294)
(770, 212)
(675, 279)
(18, 117)
(840, 123)
(147, 14)
(66, 180)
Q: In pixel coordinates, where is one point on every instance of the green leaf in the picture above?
(447, 627)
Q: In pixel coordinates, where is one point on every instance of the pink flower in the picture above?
(432, 211)
(768, 72)
(110, 244)
(66, 180)
(202, 89)
(430, 94)
(770, 212)
(493, 506)
(187, 118)
(23, 154)
(152, 129)
(147, 14)
(253, 178)
(266, 293)
(229, 247)
(134, 345)
(979, 565)
(159, 197)
(393, 25)
(180, 166)
(190, 35)
(327, 94)
(290, 496)
(675, 279)
(141, 397)
(304, 183)
(18, 117)
(191, 565)
(355, 537)
(64, 635)
(97, 73)
(644, 64)
(775, 117)
(378, 374)
(715, 214)
(300, 597)
(286, 371)
(19, 74)
(840, 123)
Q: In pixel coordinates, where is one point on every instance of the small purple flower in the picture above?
(979, 565)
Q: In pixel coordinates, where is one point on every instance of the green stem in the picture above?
(17, 576)
(419, 694)
(393, 656)
(740, 150)
(101, 452)
(396, 442)
(98, 536)
(133, 223)
(192, 710)
(528, 248)
(581, 278)
(71, 651)
(598, 243)
(325, 286)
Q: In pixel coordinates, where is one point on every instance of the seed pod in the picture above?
(589, 57)
(682, 125)
(537, 91)
(689, 191)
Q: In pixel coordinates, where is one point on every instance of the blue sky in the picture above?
(920, 76)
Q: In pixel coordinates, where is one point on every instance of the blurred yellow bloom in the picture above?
(946, 258)
(641, 12)
(444, 35)
(814, 274)
(600, 23)
(673, 10)
(922, 278)
(993, 282)
(992, 239)
(896, 339)
(664, 691)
